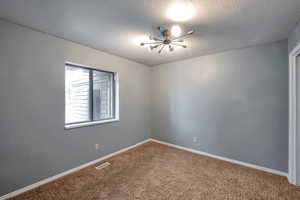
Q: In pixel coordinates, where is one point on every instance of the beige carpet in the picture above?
(157, 172)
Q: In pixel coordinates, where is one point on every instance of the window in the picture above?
(90, 96)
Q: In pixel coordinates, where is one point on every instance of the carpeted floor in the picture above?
(157, 172)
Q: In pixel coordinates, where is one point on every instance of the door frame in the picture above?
(293, 114)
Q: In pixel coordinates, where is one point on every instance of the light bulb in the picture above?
(176, 31)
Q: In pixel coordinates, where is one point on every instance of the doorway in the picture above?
(294, 116)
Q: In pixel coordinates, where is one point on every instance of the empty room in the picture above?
(149, 99)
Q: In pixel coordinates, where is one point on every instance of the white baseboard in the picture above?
(273, 171)
(47, 180)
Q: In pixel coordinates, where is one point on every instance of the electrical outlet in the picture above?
(96, 146)
(195, 139)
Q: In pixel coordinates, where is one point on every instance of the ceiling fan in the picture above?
(169, 38)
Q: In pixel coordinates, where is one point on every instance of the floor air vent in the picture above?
(103, 165)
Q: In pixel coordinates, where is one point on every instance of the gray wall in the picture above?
(235, 102)
(33, 143)
(294, 37)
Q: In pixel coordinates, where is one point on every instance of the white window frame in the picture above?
(115, 103)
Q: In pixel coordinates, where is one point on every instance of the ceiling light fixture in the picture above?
(167, 40)
(180, 11)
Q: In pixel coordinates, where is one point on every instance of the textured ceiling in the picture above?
(113, 25)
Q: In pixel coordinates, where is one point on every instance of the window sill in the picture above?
(79, 125)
